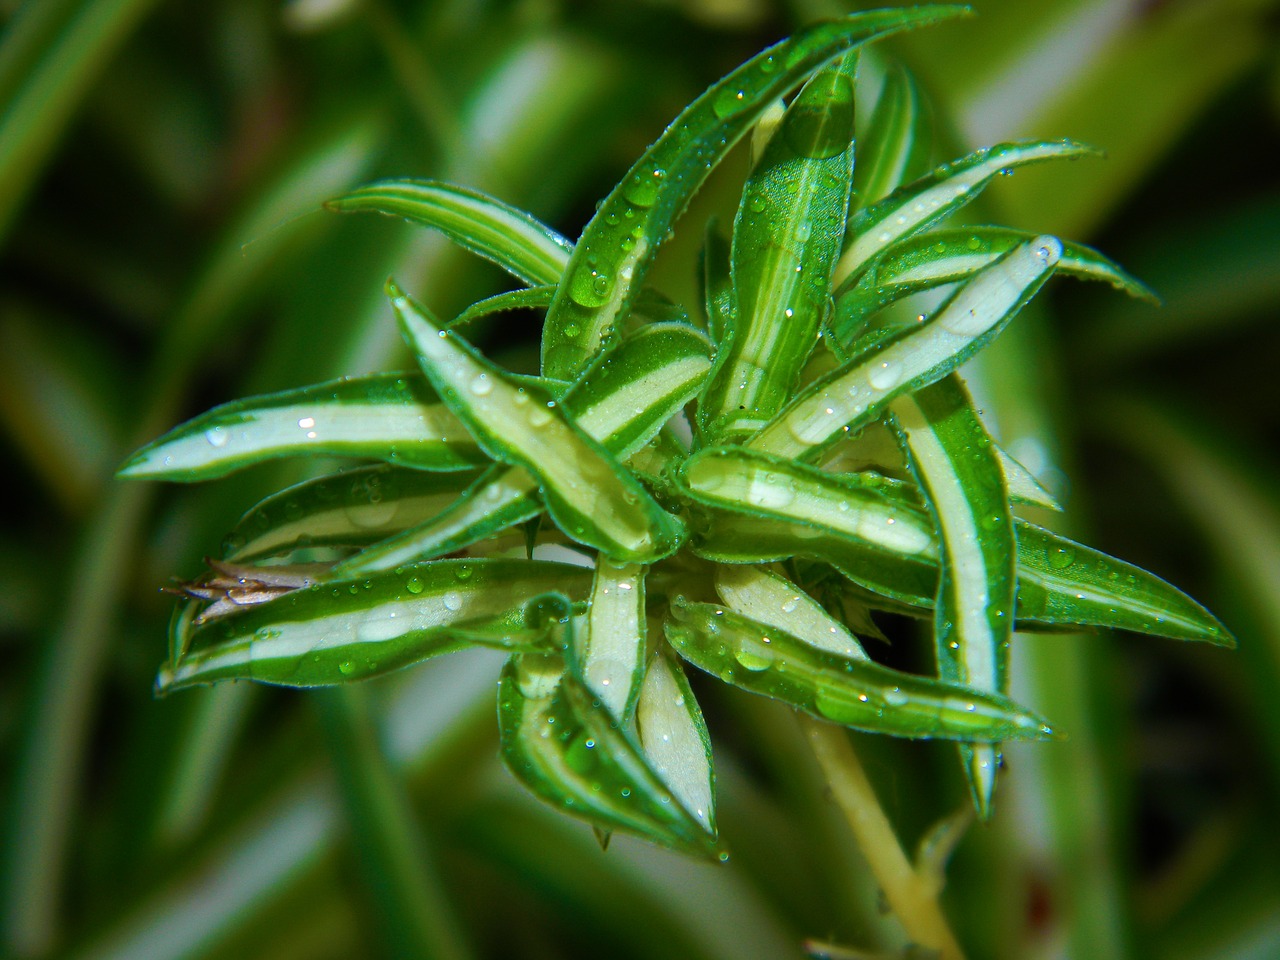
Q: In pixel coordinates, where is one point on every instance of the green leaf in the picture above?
(622, 401)
(717, 282)
(855, 393)
(896, 147)
(612, 258)
(354, 508)
(941, 193)
(345, 630)
(569, 750)
(674, 737)
(591, 497)
(752, 508)
(786, 238)
(394, 417)
(612, 649)
(1022, 485)
(855, 693)
(527, 249)
(770, 599)
(529, 298)
(947, 256)
(959, 470)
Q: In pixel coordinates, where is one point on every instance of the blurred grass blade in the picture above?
(530, 251)
(899, 140)
(354, 508)
(613, 646)
(856, 392)
(957, 467)
(345, 630)
(948, 256)
(387, 416)
(674, 737)
(773, 600)
(592, 498)
(852, 692)
(786, 238)
(941, 193)
(51, 55)
(569, 750)
(612, 258)
(413, 908)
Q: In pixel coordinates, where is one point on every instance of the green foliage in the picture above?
(751, 458)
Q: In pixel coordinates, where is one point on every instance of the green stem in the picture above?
(912, 898)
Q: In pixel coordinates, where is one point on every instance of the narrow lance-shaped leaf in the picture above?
(1023, 486)
(674, 737)
(855, 394)
(529, 298)
(612, 649)
(613, 256)
(959, 470)
(898, 140)
(855, 693)
(786, 238)
(773, 600)
(622, 401)
(347, 630)
(354, 508)
(948, 256)
(570, 751)
(752, 508)
(394, 417)
(527, 249)
(937, 195)
(591, 497)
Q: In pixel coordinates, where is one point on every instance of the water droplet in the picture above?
(414, 585)
(306, 423)
(346, 668)
(1062, 557)
(803, 231)
(453, 601)
(885, 375)
(216, 436)
(481, 385)
(895, 697)
(752, 660)
(790, 606)
(539, 416)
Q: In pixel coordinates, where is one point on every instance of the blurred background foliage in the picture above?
(161, 167)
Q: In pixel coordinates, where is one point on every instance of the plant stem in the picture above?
(912, 899)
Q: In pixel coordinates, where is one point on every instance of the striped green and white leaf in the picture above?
(613, 648)
(570, 751)
(527, 249)
(589, 495)
(899, 139)
(355, 508)
(610, 261)
(786, 238)
(773, 600)
(855, 393)
(394, 417)
(622, 401)
(1023, 486)
(757, 509)
(674, 737)
(958, 468)
(949, 256)
(717, 282)
(853, 692)
(937, 195)
(345, 630)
